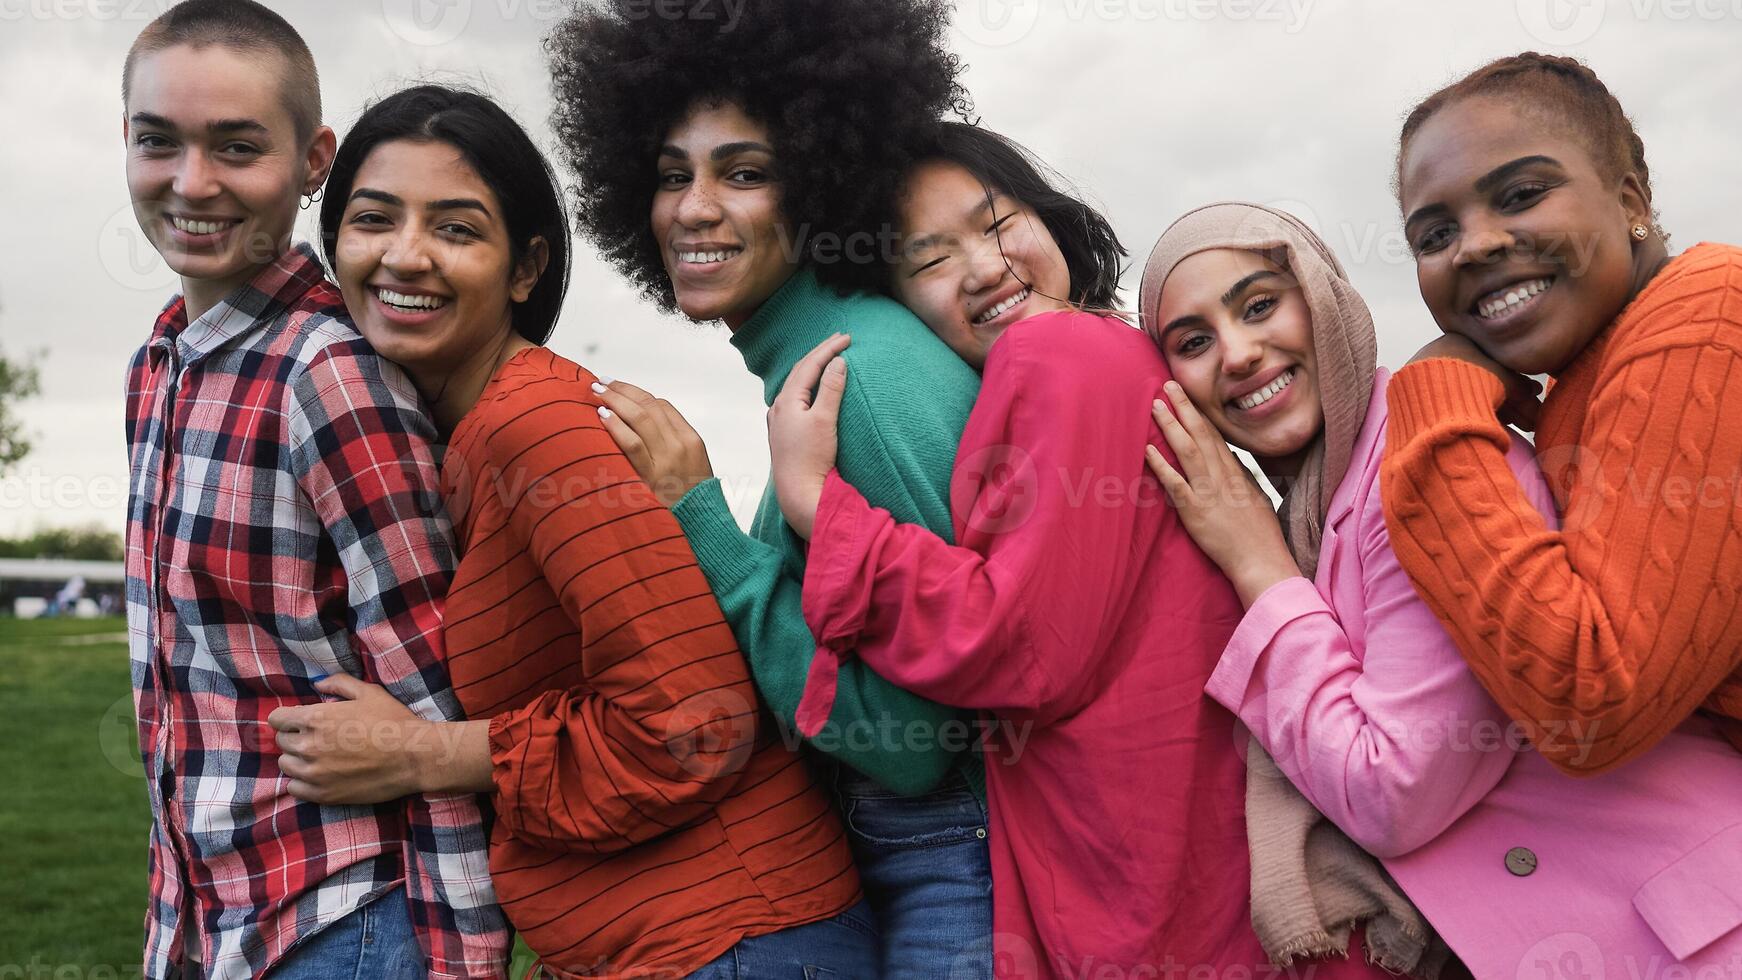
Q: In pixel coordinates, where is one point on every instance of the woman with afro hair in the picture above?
(736, 170)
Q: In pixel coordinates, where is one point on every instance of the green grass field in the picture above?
(73, 816)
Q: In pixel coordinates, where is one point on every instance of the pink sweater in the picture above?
(1362, 698)
(1077, 610)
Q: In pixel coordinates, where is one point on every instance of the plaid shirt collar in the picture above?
(278, 285)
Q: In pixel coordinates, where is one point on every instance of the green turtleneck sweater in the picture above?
(906, 403)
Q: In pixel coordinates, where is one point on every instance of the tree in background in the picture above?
(90, 543)
(18, 380)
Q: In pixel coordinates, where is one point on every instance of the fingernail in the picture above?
(604, 412)
(317, 678)
(1158, 405)
(598, 387)
(605, 379)
(1172, 387)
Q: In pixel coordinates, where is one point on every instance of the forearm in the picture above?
(764, 605)
(451, 757)
(1255, 576)
(1392, 746)
(938, 619)
(1591, 635)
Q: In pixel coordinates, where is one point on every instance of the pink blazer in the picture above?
(1529, 874)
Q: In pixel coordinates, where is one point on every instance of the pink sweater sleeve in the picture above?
(1387, 732)
(1011, 617)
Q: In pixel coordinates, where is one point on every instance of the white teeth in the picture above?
(198, 227)
(1503, 301)
(705, 258)
(407, 301)
(1267, 392)
(996, 311)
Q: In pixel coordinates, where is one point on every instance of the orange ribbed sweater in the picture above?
(1605, 635)
(648, 815)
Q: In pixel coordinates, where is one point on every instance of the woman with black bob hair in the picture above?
(1085, 238)
(742, 172)
(1072, 607)
(616, 729)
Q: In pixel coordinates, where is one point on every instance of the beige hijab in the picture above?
(1310, 884)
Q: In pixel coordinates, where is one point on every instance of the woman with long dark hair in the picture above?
(649, 821)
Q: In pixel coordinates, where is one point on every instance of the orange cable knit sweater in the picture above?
(1607, 634)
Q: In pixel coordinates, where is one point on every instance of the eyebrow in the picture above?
(725, 150)
(1506, 170)
(216, 126)
(445, 204)
(1239, 287)
(375, 195)
(1487, 182)
(720, 152)
(1189, 320)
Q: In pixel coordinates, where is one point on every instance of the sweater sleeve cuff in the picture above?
(721, 546)
(838, 545)
(1439, 390)
(1276, 607)
(505, 731)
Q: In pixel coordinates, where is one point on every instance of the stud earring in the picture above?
(1640, 232)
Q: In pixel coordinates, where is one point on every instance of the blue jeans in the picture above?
(841, 948)
(373, 943)
(927, 873)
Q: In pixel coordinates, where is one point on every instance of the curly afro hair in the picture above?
(851, 92)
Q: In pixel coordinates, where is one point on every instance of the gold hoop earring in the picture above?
(1640, 232)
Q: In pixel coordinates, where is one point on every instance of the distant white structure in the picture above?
(27, 584)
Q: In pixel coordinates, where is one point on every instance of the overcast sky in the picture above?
(1150, 106)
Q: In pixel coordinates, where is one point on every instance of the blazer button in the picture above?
(1521, 861)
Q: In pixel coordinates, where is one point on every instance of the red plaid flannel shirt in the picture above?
(284, 522)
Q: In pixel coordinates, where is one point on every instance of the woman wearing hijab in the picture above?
(1349, 682)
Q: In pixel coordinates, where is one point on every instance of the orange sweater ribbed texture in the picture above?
(1605, 635)
(648, 815)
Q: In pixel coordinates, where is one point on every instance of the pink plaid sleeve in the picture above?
(360, 445)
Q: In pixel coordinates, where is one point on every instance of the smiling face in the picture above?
(1522, 244)
(973, 263)
(425, 262)
(1237, 334)
(717, 218)
(214, 165)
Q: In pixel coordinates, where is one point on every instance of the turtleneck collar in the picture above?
(800, 315)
